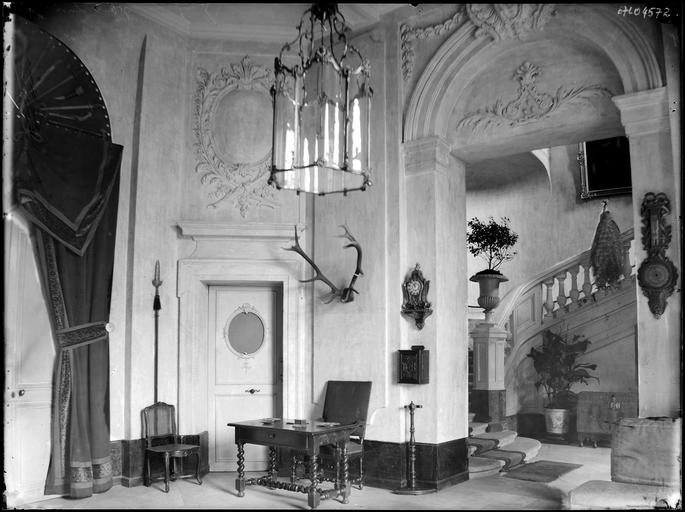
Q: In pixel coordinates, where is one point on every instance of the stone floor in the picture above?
(493, 493)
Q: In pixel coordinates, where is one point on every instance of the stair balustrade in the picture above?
(554, 292)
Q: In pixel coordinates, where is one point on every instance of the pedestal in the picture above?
(488, 395)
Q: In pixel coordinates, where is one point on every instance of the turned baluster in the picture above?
(549, 303)
(561, 297)
(574, 293)
(627, 267)
(587, 283)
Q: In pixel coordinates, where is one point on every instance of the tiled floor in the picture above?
(496, 492)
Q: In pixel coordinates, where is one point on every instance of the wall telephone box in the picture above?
(413, 367)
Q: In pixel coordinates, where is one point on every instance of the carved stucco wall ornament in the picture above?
(508, 21)
(409, 34)
(233, 116)
(497, 21)
(530, 104)
(657, 275)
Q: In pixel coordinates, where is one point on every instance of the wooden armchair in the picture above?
(346, 402)
(161, 439)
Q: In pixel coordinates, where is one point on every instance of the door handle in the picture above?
(252, 391)
(21, 392)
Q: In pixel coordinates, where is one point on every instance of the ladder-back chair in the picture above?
(161, 439)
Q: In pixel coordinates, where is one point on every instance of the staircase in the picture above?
(564, 295)
(493, 452)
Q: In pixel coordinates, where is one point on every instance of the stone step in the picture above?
(526, 445)
(503, 438)
(476, 429)
(480, 467)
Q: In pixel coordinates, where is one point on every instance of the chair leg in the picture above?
(174, 471)
(361, 472)
(146, 472)
(166, 472)
(197, 469)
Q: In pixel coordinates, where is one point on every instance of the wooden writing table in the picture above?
(307, 438)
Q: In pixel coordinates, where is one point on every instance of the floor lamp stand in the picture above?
(412, 488)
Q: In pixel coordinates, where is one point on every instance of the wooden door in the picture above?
(29, 358)
(244, 367)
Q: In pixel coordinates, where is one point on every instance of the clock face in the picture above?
(414, 287)
(656, 275)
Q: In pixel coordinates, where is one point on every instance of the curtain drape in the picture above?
(65, 173)
(67, 185)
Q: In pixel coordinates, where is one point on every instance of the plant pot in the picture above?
(488, 282)
(557, 421)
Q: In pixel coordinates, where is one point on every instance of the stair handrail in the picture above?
(510, 300)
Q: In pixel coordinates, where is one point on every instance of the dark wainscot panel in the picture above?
(128, 463)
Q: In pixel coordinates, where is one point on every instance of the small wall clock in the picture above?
(415, 293)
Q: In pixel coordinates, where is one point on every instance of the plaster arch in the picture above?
(456, 63)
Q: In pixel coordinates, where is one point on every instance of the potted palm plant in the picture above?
(557, 366)
(492, 241)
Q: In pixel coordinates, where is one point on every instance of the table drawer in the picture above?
(268, 437)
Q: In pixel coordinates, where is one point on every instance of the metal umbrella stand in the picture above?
(412, 488)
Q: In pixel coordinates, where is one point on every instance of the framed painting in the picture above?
(604, 167)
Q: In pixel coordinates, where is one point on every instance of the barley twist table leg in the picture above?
(313, 491)
(347, 488)
(240, 481)
(273, 467)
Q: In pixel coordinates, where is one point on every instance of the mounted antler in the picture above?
(346, 294)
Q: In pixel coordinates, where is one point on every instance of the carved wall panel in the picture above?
(529, 104)
(497, 21)
(233, 124)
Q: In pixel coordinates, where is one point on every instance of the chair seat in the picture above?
(175, 450)
(354, 448)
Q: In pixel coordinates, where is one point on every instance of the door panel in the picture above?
(243, 368)
(29, 357)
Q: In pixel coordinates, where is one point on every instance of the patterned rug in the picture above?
(481, 444)
(541, 471)
(511, 459)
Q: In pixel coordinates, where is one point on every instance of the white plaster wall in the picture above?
(544, 213)
(108, 39)
(357, 340)
(252, 124)
(351, 341)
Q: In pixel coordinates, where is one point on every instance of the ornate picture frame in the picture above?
(604, 167)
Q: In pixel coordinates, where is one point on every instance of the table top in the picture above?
(311, 427)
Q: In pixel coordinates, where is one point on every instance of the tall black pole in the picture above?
(412, 488)
(156, 306)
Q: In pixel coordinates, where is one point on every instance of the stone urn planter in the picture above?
(488, 282)
(557, 421)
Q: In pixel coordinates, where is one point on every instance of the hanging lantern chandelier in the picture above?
(322, 105)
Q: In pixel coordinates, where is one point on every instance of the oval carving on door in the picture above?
(244, 331)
